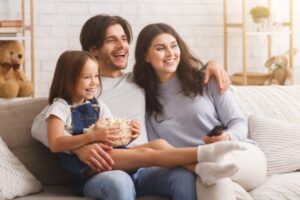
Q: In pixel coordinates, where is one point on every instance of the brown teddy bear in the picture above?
(279, 66)
(13, 81)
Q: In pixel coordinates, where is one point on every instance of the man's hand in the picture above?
(95, 156)
(215, 69)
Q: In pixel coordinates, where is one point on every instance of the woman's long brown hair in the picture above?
(189, 69)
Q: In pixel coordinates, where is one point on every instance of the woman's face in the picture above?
(164, 56)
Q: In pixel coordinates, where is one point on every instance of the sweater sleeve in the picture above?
(228, 112)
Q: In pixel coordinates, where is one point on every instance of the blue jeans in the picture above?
(177, 183)
(110, 185)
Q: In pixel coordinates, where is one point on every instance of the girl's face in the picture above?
(164, 56)
(88, 82)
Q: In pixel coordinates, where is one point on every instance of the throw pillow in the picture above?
(15, 180)
(280, 141)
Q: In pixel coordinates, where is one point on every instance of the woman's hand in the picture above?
(215, 69)
(208, 140)
(135, 128)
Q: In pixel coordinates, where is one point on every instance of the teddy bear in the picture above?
(13, 81)
(279, 68)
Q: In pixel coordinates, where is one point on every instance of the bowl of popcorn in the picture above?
(125, 129)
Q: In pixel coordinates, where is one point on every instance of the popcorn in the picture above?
(124, 125)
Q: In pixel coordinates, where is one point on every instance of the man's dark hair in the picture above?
(93, 31)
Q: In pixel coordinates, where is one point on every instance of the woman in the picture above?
(180, 109)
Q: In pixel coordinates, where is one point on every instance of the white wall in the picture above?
(200, 23)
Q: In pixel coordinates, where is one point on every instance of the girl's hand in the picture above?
(208, 140)
(106, 135)
(135, 128)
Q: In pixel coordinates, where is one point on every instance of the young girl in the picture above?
(73, 107)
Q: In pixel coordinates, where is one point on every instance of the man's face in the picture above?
(113, 55)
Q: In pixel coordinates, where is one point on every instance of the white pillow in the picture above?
(280, 141)
(15, 180)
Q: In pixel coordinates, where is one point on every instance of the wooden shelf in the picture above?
(259, 33)
(15, 38)
(267, 33)
(253, 78)
(245, 76)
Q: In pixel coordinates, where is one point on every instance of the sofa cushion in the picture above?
(15, 130)
(55, 192)
(280, 141)
(276, 102)
(279, 187)
(15, 180)
(62, 192)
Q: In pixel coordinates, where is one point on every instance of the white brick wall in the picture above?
(200, 23)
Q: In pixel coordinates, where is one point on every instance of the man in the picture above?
(108, 39)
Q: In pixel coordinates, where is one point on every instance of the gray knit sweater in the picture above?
(186, 120)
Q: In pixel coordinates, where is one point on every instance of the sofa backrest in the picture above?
(276, 102)
(15, 129)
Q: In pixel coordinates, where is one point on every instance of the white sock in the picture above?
(216, 151)
(210, 172)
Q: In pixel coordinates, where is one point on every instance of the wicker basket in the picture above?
(253, 78)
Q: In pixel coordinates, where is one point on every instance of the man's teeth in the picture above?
(120, 54)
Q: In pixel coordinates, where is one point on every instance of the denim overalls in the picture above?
(83, 116)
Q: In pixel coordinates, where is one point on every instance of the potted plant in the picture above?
(260, 14)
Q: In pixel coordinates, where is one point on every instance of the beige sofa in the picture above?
(16, 119)
(15, 125)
